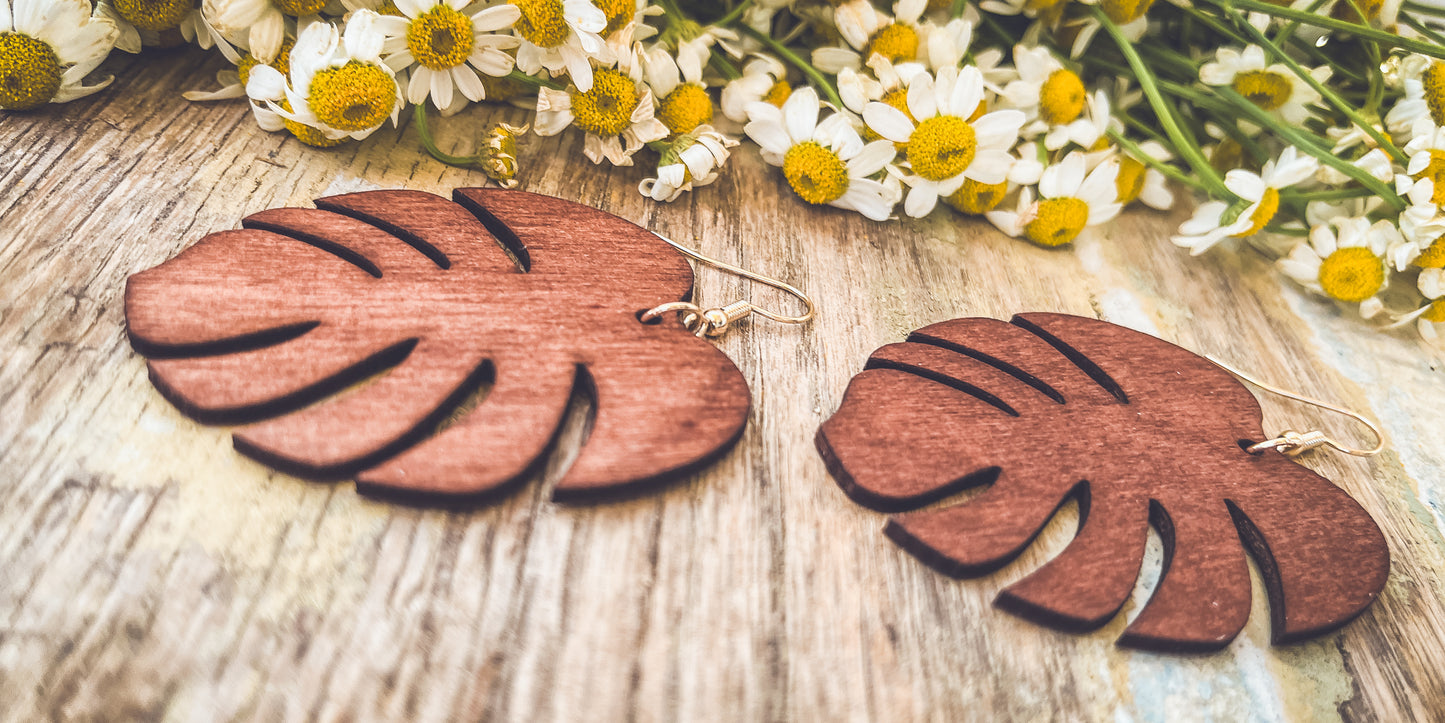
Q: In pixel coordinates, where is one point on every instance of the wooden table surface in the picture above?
(147, 570)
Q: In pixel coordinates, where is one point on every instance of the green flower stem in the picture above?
(1339, 103)
(723, 66)
(1186, 146)
(735, 14)
(1422, 28)
(1138, 153)
(1338, 194)
(534, 81)
(418, 113)
(813, 74)
(1310, 144)
(1324, 21)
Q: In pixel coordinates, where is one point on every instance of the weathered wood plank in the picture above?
(149, 571)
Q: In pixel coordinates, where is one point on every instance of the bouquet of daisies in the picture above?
(1310, 131)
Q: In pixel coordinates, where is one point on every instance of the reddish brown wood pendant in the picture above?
(1138, 430)
(434, 298)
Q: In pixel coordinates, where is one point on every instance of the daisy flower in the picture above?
(1069, 202)
(140, 22)
(1344, 260)
(888, 83)
(47, 47)
(1429, 317)
(1260, 192)
(684, 103)
(1130, 15)
(560, 35)
(764, 79)
(259, 25)
(1274, 88)
(626, 24)
(1427, 157)
(693, 159)
(827, 162)
(868, 31)
(947, 46)
(976, 199)
(1084, 131)
(337, 84)
(1138, 181)
(445, 47)
(944, 146)
(1423, 82)
(617, 112)
(1048, 93)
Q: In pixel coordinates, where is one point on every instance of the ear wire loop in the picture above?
(714, 321)
(1291, 442)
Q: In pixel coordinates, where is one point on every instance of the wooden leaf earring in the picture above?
(1140, 432)
(342, 336)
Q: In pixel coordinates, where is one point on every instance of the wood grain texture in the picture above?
(1138, 432)
(535, 296)
(147, 571)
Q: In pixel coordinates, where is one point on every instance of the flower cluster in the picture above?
(1312, 132)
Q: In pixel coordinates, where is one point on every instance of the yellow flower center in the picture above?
(618, 13)
(1263, 213)
(354, 97)
(778, 94)
(976, 198)
(1436, 173)
(300, 8)
(1125, 11)
(1433, 257)
(282, 63)
(154, 15)
(685, 108)
(816, 174)
(1130, 181)
(29, 72)
(306, 134)
(1266, 89)
(440, 38)
(542, 23)
(896, 42)
(1061, 97)
(606, 110)
(1059, 221)
(942, 147)
(1436, 312)
(1352, 274)
(1434, 81)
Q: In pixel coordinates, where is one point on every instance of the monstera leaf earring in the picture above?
(343, 336)
(1140, 432)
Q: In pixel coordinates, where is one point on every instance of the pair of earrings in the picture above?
(351, 341)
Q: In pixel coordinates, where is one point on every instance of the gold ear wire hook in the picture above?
(1291, 442)
(714, 321)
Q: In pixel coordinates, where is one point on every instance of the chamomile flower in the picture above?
(947, 46)
(1048, 93)
(1084, 131)
(691, 160)
(560, 35)
(1138, 181)
(1259, 196)
(1130, 15)
(764, 79)
(887, 83)
(140, 22)
(1427, 157)
(337, 83)
(1274, 88)
(1423, 82)
(617, 112)
(946, 145)
(47, 47)
(259, 25)
(868, 32)
(1069, 202)
(1344, 260)
(1428, 318)
(445, 47)
(824, 163)
(684, 103)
